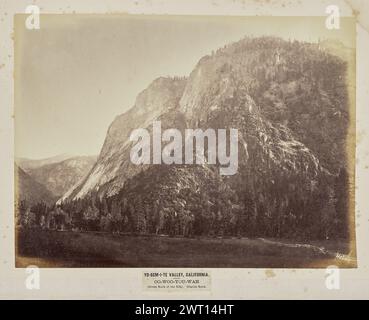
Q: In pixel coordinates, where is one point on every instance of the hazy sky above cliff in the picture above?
(78, 72)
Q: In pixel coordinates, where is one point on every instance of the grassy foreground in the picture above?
(46, 248)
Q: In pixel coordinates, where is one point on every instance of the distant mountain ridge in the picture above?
(29, 190)
(52, 177)
(59, 177)
(26, 163)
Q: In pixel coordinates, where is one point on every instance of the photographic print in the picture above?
(184, 141)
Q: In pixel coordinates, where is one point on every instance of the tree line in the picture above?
(322, 215)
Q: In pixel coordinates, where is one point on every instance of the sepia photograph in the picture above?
(182, 141)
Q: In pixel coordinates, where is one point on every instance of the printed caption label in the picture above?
(176, 280)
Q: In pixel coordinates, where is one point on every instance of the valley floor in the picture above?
(47, 248)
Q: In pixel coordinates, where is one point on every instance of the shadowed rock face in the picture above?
(287, 99)
(59, 177)
(30, 190)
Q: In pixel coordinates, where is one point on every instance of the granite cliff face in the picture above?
(113, 165)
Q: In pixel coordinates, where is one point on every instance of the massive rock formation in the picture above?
(289, 102)
(113, 165)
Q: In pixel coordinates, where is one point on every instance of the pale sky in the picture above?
(76, 73)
